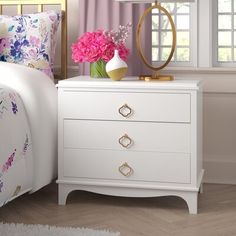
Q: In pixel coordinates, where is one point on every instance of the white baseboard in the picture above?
(220, 171)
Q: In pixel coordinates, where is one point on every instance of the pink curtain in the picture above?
(109, 14)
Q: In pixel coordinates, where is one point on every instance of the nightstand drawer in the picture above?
(155, 107)
(131, 136)
(152, 167)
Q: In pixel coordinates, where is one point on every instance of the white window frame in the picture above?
(204, 33)
(193, 40)
(215, 14)
(204, 51)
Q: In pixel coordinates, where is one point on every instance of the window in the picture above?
(162, 35)
(225, 33)
(206, 34)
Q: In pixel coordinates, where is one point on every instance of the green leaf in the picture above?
(98, 69)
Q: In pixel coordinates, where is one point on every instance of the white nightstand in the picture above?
(130, 138)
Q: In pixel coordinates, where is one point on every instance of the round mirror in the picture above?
(139, 42)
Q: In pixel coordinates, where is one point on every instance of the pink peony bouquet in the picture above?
(93, 46)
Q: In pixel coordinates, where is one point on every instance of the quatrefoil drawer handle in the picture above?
(125, 111)
(126, 170)
(125, 141)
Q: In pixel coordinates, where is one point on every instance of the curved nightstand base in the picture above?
(190, 197)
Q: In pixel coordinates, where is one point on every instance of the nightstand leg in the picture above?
(63, 192)
(192, 202)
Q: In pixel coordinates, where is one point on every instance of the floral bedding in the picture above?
(15, 146)
(28, 130)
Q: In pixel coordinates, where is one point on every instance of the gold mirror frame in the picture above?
(139, 46)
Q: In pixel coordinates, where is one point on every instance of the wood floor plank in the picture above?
(163, 216)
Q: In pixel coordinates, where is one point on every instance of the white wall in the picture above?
(220, 137)
(219, 124)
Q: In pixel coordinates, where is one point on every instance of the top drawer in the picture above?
(153, 107)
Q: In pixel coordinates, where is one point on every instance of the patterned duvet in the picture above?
(15, 147)
(28, 130)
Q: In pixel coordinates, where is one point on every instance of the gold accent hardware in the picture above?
(126, 170)
(40, 8)
(126, 108)
(40, 4)
(19, 9)
(123, 139)
(155, 70)
(159, 77)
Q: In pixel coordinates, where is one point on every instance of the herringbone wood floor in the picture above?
(130, 216)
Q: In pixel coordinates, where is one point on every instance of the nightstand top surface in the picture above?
(128, 82)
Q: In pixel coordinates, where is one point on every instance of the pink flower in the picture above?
(53, 18)
(123, 51)
(93, 46)
(4, 43)
(34, 41)
(33, 53)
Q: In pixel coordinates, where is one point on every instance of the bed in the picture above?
(28, 114)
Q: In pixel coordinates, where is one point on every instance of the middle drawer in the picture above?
(134, 136)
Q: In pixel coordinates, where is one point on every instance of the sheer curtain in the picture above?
(109, 14)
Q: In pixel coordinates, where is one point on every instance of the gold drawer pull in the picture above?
(125, 141)
(126, 170)
(125, 111)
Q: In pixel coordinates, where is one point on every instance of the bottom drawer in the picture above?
(104, 164)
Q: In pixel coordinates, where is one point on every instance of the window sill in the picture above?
(202, 70)
(215, 80)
